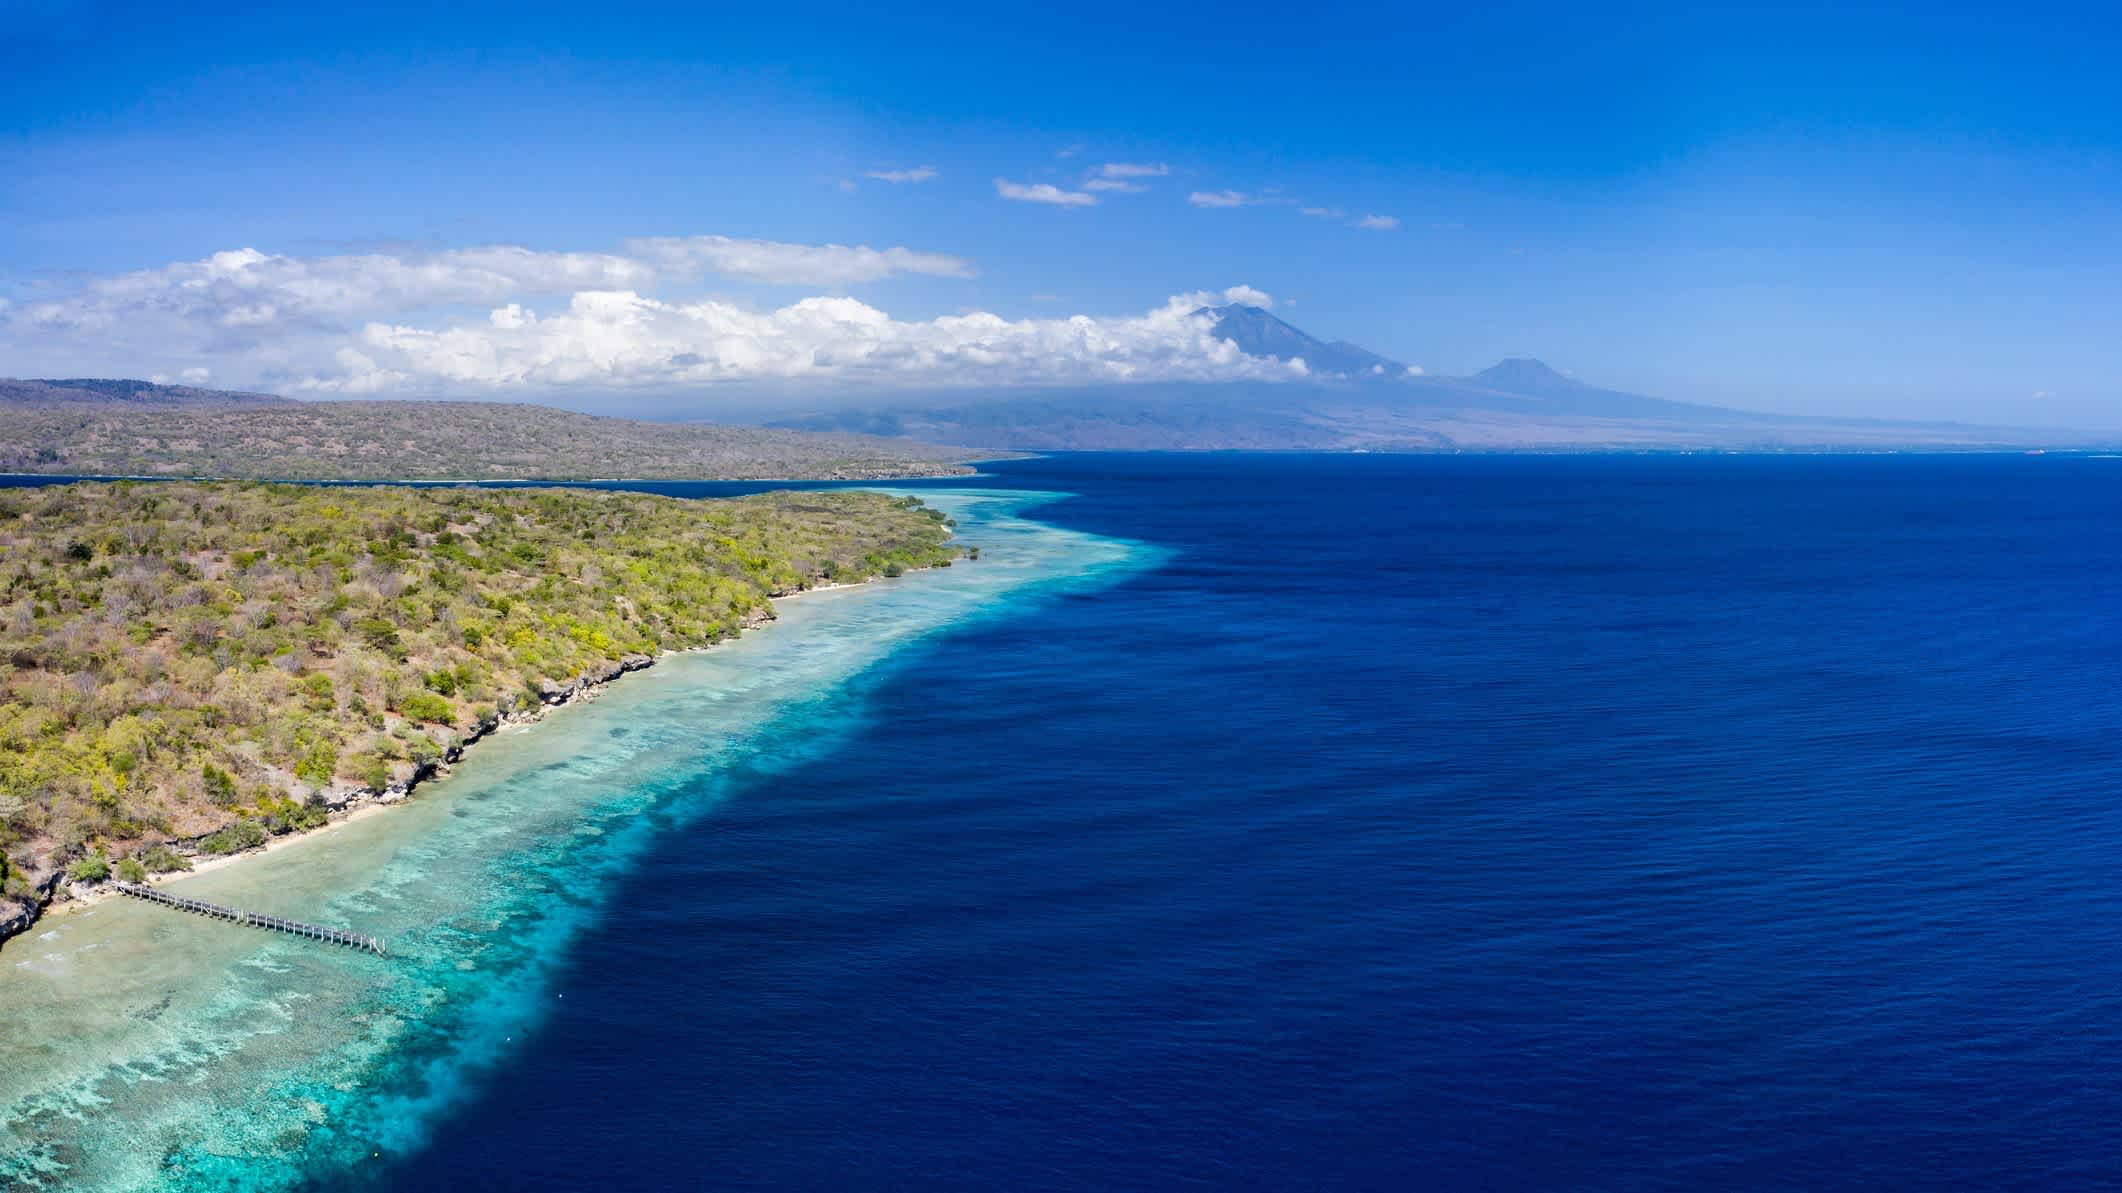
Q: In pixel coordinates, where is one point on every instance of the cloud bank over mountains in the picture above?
(504, 318)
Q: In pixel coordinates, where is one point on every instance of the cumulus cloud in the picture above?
(1378, 223)
(916, 174)
(1219, 199)
(1114, 184)
(499, 319)
(244, 295)
(1043, 192)
(1133, 170)
(619, 339)
(1324, 213)
(1244, 296)
(244, 288)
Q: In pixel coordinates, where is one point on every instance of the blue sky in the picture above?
(1896, 212)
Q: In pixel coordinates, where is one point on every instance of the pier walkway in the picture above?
(352, 940)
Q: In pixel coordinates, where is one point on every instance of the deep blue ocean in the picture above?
(1419, 822)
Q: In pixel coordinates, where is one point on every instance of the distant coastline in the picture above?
(137, 429)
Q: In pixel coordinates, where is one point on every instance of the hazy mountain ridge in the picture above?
(99, 391)
(1358, 400)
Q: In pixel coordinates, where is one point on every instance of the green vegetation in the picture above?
(242, 835)
(93, 868)
(269, 440)
(203, 661)
(161, 859)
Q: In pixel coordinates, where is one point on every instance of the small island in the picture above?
(194, 668)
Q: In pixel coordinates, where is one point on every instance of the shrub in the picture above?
(318, 764)
(220, 785)
(426, 706)
(161, 859)
(93, 868)
(242, 835)
(374, 773)
(131, 870)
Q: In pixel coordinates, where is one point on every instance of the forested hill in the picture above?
(186, 659)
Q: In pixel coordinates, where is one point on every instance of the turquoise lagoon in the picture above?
(144, 1049)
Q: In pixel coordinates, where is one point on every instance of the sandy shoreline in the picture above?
(102, 892)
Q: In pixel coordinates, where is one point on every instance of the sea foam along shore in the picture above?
(343, 802)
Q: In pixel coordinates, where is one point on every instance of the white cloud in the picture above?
(1378, 223)
(1244, 296)
(243, 295)
(508, 319)
(1324, 213)
(1114, 184)
(1043, 192)
(1133, 170)
(791, 264)
(916, 174)
(620, 339)
(1219, 199)
(246, 289)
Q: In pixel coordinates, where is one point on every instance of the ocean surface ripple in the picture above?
(1375, 823)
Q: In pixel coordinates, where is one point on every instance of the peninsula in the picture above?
(195, 667)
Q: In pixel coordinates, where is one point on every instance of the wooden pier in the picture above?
(352, 940)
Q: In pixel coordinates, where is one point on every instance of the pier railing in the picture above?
(352, 940)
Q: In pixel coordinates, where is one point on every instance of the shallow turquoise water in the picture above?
(143, 1049)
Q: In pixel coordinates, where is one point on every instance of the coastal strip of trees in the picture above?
(207, 664)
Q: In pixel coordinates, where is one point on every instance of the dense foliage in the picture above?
(186, 658)
(268, 440)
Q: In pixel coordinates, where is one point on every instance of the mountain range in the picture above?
(1354, 399)
(1349, 399)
